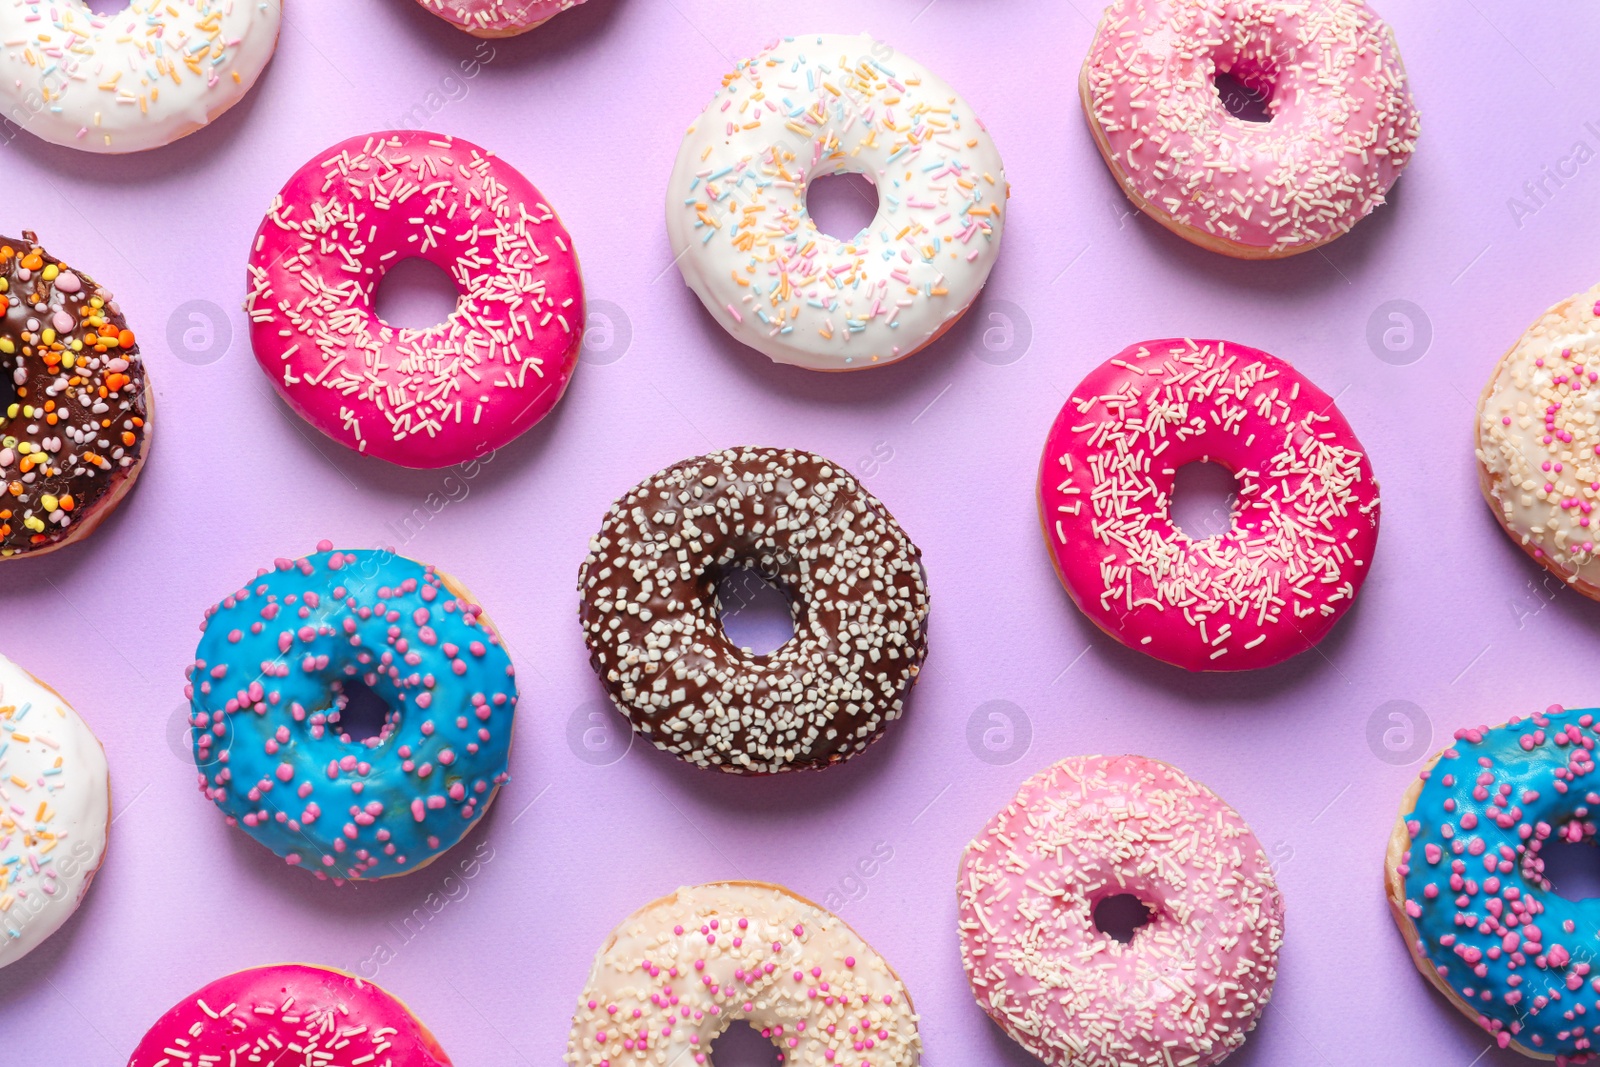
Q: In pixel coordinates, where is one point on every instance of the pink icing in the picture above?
(1342, 127)
(324, 1016)
(420, 398)
(1193, 980)
(498, 18)
(1305, 523)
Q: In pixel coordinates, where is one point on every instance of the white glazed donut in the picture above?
(736, 206)
(134, 80)
(55, 811)
(680, 971)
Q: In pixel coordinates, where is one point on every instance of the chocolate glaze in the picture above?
(74, 417)
(857, 591)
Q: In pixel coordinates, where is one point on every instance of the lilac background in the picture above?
(1453, 620)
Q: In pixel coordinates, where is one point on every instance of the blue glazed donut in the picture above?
(278, 664)
(1465, 879)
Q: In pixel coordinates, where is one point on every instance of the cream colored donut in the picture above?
(680, 971)
(736, 204)
(55, 811)
(1538, 441)
(137, 79)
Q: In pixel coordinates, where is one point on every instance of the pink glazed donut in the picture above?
(497, 18)
(432, 397)
(1342, 123)
(1194, 978)
(287, 1015)
(1305, 522)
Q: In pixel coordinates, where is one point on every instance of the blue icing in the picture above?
(271, 664)
(1486, 919)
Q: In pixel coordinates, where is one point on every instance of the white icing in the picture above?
(134, 80)
(55, 804)
(736, 204)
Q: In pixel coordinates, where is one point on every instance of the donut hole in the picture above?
(1245, 96)
(1121, 915)
(756, 614)
(1572, 868)
(416, 294)
(742, 1045)
(1204, 499)
(108, 7)
(359, 716)
(842, 205)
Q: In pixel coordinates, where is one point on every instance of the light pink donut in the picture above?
(497, 18)
(1304, 524)
(1343, 125)
(287, 1014)
(432, 397)
(1193, 980)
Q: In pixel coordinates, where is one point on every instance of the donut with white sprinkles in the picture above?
(1465, 877)
(676, 974)
(857, 592)
(289, 1015)
(279, 664)
(1194, 979)
(818, 105)
(1341, 123)
(1303, 530)
(432, 397)
(134, 79)
(497, 18)
(75, 408)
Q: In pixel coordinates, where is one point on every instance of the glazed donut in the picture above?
(433, 397)
(857, 593)
(137, 79)
(1193, 981)
(75, 409)
(680, 971)
(55, 811)
(819, 105)
(268, 1014)
(1465, 881)
(1538, 444)
(278, 663)
(1304, 526)
(1342, 123)
(497, 18)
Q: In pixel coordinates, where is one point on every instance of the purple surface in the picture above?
(1453, 621)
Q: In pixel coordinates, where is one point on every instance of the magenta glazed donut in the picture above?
(1305, 523)
(432, 397)
(1193, 980)
(497, 18)
(289, 1014)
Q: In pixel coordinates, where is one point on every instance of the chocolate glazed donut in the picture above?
(74, 408)
(857, 594)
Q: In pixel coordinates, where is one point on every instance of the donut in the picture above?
(679, 972)
(133, 80)
(819, 105)
(268, 1015)
(55, 811)
(857, 593)
(497, 18)
(1342, 122)
(1193, 981)
(1538, 445)
(1466, 885)
(1305, 522)
(75, 408)
(433, 397)
(278, 664)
